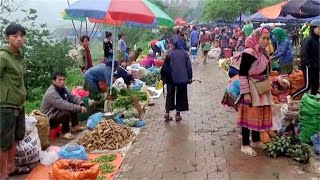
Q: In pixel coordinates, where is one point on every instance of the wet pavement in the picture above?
(204, 145)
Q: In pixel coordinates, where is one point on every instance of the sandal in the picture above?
(248, 150)
(20, 171)
(258, 144)
(77, 129)
(69, 136)
(167, 117)
(178, 118)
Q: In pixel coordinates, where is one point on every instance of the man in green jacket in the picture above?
(12, 97)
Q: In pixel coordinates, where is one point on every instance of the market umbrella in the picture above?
(180, 22)
(272, 12)
(302, 8)
(120, 11)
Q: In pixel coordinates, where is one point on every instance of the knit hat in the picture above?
(315, 22)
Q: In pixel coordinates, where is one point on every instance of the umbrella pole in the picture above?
(86, 27)
(113, 58)
(95, 32)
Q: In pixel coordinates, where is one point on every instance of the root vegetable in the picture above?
(107, 135)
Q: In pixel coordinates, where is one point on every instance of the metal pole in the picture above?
(114, 57)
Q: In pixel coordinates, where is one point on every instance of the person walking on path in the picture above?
(176, 73)
(205, 43)
(254, 101)
(85, 60)
(194, 37)
(122, 47)
(12, 98)
(283, 51)
(310, 60)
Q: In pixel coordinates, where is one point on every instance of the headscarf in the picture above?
(178, 43)
(253, 40)
(279, 34)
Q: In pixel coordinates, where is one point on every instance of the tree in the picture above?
(43, 53)
(229, 9)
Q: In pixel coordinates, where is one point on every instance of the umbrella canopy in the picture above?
(302, 8)
(66, 17)
(260, 17)
(180, 22)
(119, 11)
(272, 12)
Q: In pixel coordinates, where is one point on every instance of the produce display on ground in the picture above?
(107, 135)
(289, 146)
(126, 97)
(152, 77)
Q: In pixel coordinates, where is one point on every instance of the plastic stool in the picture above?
(54, 132)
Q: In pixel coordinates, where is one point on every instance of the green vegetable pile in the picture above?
(151, 78)
(106, 168)
(100, 178)
(124, 99)
(289, 146)
(105, 158)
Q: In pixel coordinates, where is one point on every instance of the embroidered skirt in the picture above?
(258, 118)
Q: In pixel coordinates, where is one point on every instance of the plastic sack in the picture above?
(42, 126)
(214, 53)
(48, 158)
(60, 171)
(315, 139)
(118, 119)
(137, 84)
(79, 92)
(309, 117)
(94, 120)
(28, 150)
(73, 151)
(276, 123)
(131, 113)
(287, 116)
(119, 84)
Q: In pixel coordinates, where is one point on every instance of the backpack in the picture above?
(236, 59)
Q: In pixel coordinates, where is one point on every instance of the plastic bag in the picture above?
(276, 123)
(28, 150)
(119, 84)
(94, 120)
(59, 170)
(315, 139)
(79, 92)
(73, 151)
(287, 116)
(309, 117)
(48, 158)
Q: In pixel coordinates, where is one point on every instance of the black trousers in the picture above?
(311, 81)
(177, 97)
(64, 118)
(246, 136)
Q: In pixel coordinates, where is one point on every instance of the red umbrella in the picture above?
(180, 22)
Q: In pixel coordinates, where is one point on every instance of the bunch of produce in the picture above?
(289, 146)
(151, 78)
(104, 158)
(224, 63)
(106, 168)
(125, 98)
(107, 135)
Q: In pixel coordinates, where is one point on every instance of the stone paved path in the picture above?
(204, 145)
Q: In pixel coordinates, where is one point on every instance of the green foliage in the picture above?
(229, 9)
(43, 53)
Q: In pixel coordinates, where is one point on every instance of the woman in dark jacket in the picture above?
(310, 59)
(176, 73)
